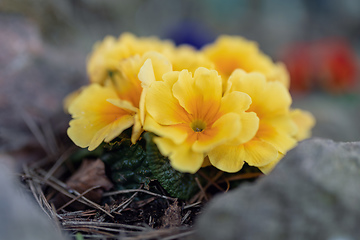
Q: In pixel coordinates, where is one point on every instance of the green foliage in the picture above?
(127, 164)
(177, 184)
(131, 165)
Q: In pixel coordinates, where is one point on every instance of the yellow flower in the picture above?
(305, 121)
(101, 113)
(270, 102)
(98, 115)
(191, 117)
(232, 52)
(107, 54)
(187, 57)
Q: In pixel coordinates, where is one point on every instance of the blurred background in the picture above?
(44, 45)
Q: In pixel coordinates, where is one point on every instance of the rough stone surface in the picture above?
(21, 217)
(313, 193)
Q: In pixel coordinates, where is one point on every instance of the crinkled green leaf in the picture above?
(127, 164)
(177, 184)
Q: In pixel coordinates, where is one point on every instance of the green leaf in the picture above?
(177, 184)
(127, 163)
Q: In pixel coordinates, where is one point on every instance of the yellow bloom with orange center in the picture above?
(191, 117)
(102, 112)
(233, 52)
(107, 54)
(271, 102)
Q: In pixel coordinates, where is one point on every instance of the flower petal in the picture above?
(137, 129)
(160, 64)
(227, 158)
(93, 115)
(276, 99)
(126, 105)
(163, 106)
(250, 83)
(249, 127)
(235, 102)
(304, 121)
(111, 131)
(200, 96)
(177, 133)
(269, 167)
(182, 158)
(279, 139)
(283, 123)
(226, 128)
(259, 153)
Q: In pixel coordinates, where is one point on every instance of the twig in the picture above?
(212, 181)
(123, 205)
(61, 187)
(138, 190)
(76, 198)
(192, 205)
(103, 224)
(186, 216)
(201, 189)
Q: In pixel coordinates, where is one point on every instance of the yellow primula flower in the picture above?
(232, 52)
(191, 117)
(107, 54)
(270, 102)
(305, 121)
(101, 112)
(187, 57)
(98, 115)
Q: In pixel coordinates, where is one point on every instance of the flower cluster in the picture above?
(223, 105)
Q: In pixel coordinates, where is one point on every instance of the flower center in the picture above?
(198, 125)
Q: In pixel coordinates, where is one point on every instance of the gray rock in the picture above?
(20, 217)
(313, 193)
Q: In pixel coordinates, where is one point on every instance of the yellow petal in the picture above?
(153, 69)
(239, 102)
(111, 131)
(269, 167)
(226, 128)
(126, 105)
(235, 102)
(185, 92)
(163, 106)
(70, 98)
(147, 77)
(252, 84)
(227, 158)
(182, 158)
(137, 129)
(93, 115)
(280, 140)
(276, 99)
(200, 96)
(146, 74)
(249, 127)
(304, 121)
(259, 153)
(177, 133)
(280, 74)
(187, 57)
(283, 123)
(209, 83)
(160, 64)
